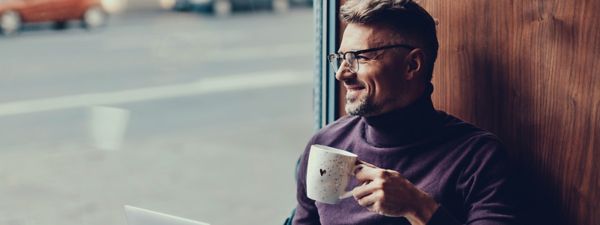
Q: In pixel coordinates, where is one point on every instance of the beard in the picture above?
(361, 106)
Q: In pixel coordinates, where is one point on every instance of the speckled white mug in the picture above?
(328, 173)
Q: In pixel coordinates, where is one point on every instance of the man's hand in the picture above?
(388, 193)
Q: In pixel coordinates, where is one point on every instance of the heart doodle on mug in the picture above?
(322, 171)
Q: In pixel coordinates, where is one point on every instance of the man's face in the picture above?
(379, 85)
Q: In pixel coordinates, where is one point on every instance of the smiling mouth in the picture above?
(354, 88)
(353, 85)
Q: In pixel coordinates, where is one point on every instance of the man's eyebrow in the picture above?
(351, 50)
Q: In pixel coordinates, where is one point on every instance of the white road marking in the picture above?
(168, 52)
(202, 87)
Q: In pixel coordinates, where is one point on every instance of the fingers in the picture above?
(368, 172)
(383, 191)
(373, 202)
(373, 181)
(358, 165)
(360, 162)
(365, 189)
(368, 200)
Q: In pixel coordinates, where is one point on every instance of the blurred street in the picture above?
(220, 109)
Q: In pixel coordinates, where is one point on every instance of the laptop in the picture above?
(139, 216)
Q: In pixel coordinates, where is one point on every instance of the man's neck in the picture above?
(403, 125)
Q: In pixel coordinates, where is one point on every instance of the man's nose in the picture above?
(344, 72)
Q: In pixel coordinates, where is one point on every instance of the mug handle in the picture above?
(350, 193)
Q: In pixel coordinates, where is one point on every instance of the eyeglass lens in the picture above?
(336, 60)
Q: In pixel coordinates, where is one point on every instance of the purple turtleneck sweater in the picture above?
(462, 167)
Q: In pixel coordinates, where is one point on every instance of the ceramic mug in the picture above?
(328, 173)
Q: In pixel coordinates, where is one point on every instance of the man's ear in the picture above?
(415, 63)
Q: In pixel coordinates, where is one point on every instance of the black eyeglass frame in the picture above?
(343, 55)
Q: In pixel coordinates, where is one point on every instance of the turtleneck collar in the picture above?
(402, 126)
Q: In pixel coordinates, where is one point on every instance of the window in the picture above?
(184, 107)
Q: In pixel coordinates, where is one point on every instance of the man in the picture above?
(418, 165)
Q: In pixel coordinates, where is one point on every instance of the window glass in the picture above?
(193, 108)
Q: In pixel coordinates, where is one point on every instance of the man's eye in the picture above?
(362, 58)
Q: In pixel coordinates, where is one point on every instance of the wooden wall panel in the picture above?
(527, 70)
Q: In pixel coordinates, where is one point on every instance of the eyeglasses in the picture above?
(352, 57)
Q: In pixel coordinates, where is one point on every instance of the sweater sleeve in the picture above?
(306, 211)
(485, 185)
(442, 217)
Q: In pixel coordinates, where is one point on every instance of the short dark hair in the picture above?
(405, 17)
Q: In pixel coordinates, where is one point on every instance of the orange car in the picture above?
(14, 13)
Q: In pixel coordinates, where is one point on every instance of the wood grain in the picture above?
(527, 70)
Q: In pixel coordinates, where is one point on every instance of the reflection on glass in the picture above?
(204, 116)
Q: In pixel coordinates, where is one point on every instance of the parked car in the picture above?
(15, 13)
(225, 7)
